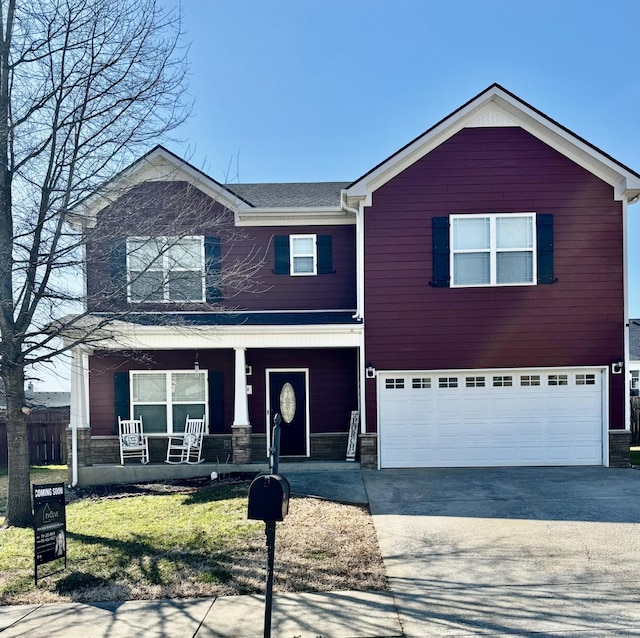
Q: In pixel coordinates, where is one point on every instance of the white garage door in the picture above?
(491, 418)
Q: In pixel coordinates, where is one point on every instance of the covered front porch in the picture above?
(232, 376)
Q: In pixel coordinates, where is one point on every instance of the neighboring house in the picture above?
(634, 356)
(466, 295)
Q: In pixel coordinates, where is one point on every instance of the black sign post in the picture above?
(50, 525)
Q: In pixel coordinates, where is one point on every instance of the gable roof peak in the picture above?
(497, 106)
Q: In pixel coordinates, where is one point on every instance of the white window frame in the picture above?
(163, 264)
(293, 255)
(169, 402)
(493, 250)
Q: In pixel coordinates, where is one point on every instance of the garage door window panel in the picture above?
(558, 380)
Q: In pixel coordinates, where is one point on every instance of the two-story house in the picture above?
(467, 296)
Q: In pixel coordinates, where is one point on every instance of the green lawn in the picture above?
(635, 455)
(167, 541)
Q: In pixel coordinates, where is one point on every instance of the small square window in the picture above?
(502, 381)
(394, 384)
(448, 382)
(474, 382)
(530, 380)
(585, 379)
(558, 379)
(422, 383)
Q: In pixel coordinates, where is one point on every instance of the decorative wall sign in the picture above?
(287, 403)
(353, 435)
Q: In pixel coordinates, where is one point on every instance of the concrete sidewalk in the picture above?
(340, 614)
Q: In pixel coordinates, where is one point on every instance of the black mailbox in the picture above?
(268, 498)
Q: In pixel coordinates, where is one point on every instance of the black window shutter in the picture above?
(118, 267)
(544, 240)
(120, 396)
(216, 401)
(213, 268)
(281, 250)
(325, 255)
(440, 246)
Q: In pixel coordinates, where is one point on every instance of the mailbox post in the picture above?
(269, 502)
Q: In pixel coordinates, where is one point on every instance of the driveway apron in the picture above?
(511, 551)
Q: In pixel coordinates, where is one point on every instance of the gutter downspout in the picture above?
(359, 215)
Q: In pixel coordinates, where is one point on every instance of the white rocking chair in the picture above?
(187, 447)
(133, 442)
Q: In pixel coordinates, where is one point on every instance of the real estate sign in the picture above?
(49, 522)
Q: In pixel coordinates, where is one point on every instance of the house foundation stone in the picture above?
(369, 451)
(619, 444)
(241, 444)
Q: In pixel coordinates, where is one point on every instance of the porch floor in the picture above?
(138, 473)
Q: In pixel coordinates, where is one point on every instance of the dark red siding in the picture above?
(161, 208)
(332, 383)
(575, 321)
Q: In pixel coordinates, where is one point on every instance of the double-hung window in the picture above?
(303, 252)
(166, 269)
(493, 249)
(164, 398)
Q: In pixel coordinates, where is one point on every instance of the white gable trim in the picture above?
(496, 107)
(159, 165)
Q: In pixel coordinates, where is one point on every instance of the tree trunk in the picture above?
(19, 505)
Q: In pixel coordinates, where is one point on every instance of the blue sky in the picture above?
(323, 90)
(301, 90)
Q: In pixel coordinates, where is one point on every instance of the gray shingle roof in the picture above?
(634, 339)
(307, 194)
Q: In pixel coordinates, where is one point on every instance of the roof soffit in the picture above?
(496, 107)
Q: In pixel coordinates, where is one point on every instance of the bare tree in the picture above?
(85, 86)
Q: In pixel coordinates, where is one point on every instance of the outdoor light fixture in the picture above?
(371, 371)
(196, 363)
(617, 367)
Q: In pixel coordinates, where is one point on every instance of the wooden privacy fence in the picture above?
(47, 437)
(635, 419)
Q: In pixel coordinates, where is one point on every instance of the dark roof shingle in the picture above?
(308, 194)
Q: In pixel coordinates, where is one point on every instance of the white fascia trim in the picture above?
(159, 165)
(497, 105)
(130, 336)
(302, 216)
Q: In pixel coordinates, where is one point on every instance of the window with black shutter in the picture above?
(302, 255)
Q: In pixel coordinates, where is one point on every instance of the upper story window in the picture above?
(165, 269)
(303, 254)
(493, 250)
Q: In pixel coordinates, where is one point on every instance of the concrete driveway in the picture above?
(511, 551)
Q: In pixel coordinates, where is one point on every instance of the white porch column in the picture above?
(79, 412)
(79, 409)
(241, 401)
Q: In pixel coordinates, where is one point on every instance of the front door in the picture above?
(288, 397)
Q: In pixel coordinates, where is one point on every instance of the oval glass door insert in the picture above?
(287, 403)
